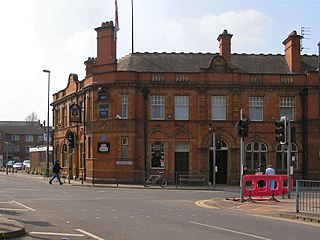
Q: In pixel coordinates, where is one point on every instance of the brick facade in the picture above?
(150, 137)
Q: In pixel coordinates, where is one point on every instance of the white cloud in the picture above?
(80, 42)
(247, 27)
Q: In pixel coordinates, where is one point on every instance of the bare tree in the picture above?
(32, 117)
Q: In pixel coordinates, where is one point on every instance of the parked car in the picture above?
(26, 164)
(17, 165)
(10, 163)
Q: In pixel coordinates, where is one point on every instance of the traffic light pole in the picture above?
(213, 159)
(289, 156)
(241, 162)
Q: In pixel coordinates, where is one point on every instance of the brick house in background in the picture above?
(17, 137)
(152, 111)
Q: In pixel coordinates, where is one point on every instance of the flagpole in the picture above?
(132, 50)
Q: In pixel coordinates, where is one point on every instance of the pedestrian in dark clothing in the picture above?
(56, 172)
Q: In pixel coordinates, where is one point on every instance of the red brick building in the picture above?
(151, 111)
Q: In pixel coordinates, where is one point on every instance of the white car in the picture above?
(17, 165)
(26, 164)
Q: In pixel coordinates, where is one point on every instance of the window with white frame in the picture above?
(27, 149)
(157, 107)
(124, 147)
(281, 157)
(287, 107)
(16, 148)
(64, 112)
(57, 117)
(219, 107)
(15, 137)
(181, 107)
(256, 154)
(124, 106)
(256, 108)
(29, 138)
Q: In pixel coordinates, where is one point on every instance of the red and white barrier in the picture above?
(265, 185)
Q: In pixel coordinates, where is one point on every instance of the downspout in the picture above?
(145, 92)
(84, 136)
(52, 137)
(305, 133)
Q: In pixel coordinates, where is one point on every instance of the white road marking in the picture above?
(14, 209)
(57, 234)
(231, 231)
(22, 205)
(89, 234)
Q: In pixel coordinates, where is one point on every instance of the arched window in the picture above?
(281, 157)
(64, 155)
(255, 154)
(57, 153)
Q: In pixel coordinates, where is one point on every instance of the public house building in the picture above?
(159, 111)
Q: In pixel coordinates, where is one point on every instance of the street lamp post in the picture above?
(47, 160)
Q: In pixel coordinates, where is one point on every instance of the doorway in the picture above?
(181, 162)
(221, 165)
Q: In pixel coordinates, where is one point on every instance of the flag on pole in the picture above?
(116, 19)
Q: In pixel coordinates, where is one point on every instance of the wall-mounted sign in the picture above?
(124, 162)
(74, 113)
(103, 138)
(104, 110)
(103, 147)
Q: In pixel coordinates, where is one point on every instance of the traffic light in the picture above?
(281, 130)
(242, 128)
(71, 139)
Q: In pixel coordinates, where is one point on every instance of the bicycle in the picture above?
(152, 179)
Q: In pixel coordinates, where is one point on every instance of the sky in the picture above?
(59, 35)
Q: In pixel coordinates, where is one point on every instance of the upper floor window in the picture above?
(124, 107)
(287, 107)
(64, 112)
(29, 138)
(82, 111)
(157, 107)
(219, 107)
(15, 137)
(57, 118)
(181, 107)
(256, 108)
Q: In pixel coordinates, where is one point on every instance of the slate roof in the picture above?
(22, 128)
(193, 62)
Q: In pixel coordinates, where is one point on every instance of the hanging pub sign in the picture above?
(74, 113)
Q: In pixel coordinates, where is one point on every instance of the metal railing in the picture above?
(307, 196)
(119, 177)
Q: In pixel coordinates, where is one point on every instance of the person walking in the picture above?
(270, 171)
(56, 172)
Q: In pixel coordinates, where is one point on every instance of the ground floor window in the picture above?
(124, 147)
(255, 154)
(157, 154)
(281, 159)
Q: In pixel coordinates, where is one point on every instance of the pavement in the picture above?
(283, 208)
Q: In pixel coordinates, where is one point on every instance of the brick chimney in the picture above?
(292, 51)
(225, 45)
(106, 44)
